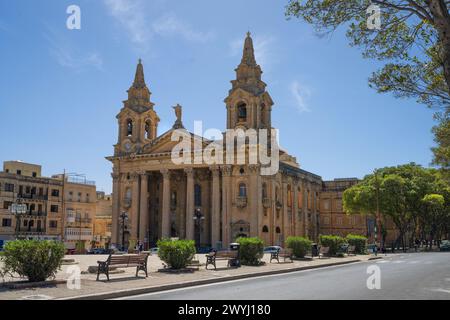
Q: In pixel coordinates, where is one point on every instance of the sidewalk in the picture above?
(123, 284)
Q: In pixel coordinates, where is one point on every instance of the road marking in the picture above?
(383, 261)
(238, 280)
(398, 261)
(440, 290)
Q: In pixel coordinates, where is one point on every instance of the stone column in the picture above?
(284, 214)
(115, 209)
(305, 208)
(134, 217)
(215, 200)
(295, 208)
(165, 214)
(254, 197)
(143, 222)
(189, 203)
(226, 204)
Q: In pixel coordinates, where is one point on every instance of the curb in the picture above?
(144, 290)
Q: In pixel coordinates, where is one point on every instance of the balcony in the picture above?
(31, 231)
(278, 205)
(83, 220)
(241, 202)
(266, 203)
(34, 214)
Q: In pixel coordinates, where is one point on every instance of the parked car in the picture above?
(204, 250)
(445, 245)
(99, 251)
(272, 249)
(71, 251)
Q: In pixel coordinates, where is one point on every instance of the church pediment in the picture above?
(164, 142)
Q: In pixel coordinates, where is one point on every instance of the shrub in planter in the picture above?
(34, 259)
(251, 250)
(333, 242)
(360, 242)
(299, 245)
(176, 253)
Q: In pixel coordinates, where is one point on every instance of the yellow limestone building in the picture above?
(212, 204)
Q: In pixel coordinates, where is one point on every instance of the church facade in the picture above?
(212, 204)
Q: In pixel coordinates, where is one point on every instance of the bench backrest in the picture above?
(127, 259)
(226, 254)
(324, 250)
(286, 251)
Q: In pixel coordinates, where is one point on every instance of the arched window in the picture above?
(265, 229)
(289, 196)
(173, 199)
(129, 128)
(278, 230)
(128, 194)
(197, 195)
(277, 194)
(148, 133)
(242, 112)
(264, 190)
(242, 190)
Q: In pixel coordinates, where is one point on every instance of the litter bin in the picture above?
(314, 250)
(235, 247)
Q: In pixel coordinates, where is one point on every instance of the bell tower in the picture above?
(138, 122)
(248, 104)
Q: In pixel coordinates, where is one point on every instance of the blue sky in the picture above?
(61, 89)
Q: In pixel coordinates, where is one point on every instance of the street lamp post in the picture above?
(18, 209)
(198, 218)
(123, 218)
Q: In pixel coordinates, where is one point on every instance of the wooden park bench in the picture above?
(351, 250)
(123, 261)
(212, 257)
(324, 251)
(283, 253)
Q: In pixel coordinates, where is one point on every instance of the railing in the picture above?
(127, 203)
(83, 220)
(31, 230)
(241, 202)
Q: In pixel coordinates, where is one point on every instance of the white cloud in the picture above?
(169, 25)
(70, 56)
(141, 23)
(301, 95)
(130, 15)
(262, 44)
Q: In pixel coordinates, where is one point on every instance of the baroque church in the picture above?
(211, 204)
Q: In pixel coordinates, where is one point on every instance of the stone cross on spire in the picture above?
(139, 80)
(248, 56)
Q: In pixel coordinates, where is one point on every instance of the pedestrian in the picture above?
(141, 247)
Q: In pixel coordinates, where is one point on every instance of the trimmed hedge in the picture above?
(251, 250)
(177, 254)
(34, 259)
(360, 242)
(299, 245)
(333, 242)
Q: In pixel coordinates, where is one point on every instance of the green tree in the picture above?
(442, 149)
(413, 40)
(434, 215)
(401, 191)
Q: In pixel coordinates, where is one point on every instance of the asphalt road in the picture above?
(402, 276)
